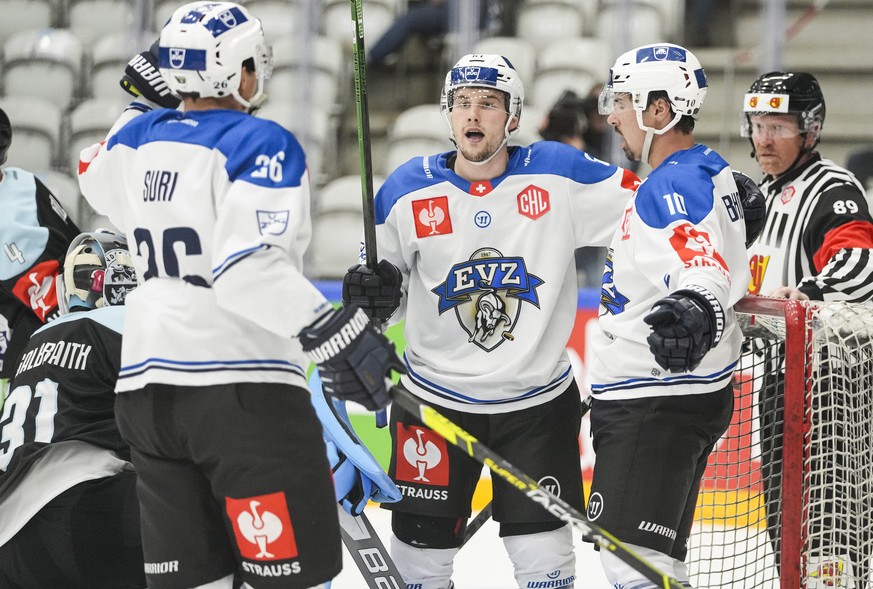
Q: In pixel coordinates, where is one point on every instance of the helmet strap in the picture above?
(651, 132)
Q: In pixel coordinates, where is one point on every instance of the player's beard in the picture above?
(482, 151)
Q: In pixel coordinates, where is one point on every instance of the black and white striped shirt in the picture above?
(818, 235)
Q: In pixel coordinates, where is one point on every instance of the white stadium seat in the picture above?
(45, 64)
(90, 121)
(543, 22)
(36, 132)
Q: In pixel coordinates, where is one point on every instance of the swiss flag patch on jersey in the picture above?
(422, 456)
(262, 527)
(432, 216)
(36, 289)
(480, 188)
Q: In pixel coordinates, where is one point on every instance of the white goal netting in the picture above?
(787, 499)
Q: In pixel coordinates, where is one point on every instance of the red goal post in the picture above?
(787, 499)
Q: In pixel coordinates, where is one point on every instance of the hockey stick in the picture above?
(368, 552)
(363, 115)
(485, 514)
(515, 478)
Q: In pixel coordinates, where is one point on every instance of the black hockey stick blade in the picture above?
(559, 508)
(477, 522)
(368, 552)
(483, 516)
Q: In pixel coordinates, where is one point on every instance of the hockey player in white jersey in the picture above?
(668, 340)
(233, 475)
(478, 246)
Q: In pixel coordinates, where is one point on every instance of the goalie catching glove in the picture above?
(685, 324)
(754, 206)
(142, 78)
(377, 293)
(354, 359)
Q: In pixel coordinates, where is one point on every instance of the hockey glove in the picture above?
(353, 358)
(142, 78)
(377, 293)
(754, 206)
(685, 325)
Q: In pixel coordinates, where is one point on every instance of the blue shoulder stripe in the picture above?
(258, 151)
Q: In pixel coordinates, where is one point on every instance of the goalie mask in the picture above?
(797, 94)
(490, 72)
(98, 272)
(651, 68)
(204, 46)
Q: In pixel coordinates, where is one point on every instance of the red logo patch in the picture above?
(787, 194)
(695, 248)
(432, 216)
(533, 202)
(262, 527)
(36, 288)
(422, 456)
(481, 188)
(625, 223)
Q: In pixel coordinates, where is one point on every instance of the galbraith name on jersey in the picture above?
(70, 355)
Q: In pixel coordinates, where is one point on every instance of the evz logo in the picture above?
(228, 19)
(471, 73)
(487, 292)
(177, 57)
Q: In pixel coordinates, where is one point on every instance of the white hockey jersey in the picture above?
(817, 236)
(684, 228)
(216, 208)
(489, 272)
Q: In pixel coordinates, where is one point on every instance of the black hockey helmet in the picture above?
(796, 93)
(5, 136)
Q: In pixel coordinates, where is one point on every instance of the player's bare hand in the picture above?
(788, 292)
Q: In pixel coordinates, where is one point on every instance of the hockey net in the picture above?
(787, 499)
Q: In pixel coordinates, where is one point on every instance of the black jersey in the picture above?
(35, 232)
(61, 406)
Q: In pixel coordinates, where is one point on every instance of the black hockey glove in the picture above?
(754, 206)
(377, 293)
(142, 78)
(352, 357)
(685, 325)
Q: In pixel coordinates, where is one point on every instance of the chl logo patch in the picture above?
(262, 527)
(432, 216)
(533, 202)
(422, 456)
(486, 293)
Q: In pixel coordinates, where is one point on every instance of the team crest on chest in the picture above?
(487, 293)
(787, 194)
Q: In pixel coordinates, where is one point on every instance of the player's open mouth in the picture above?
(474, 135)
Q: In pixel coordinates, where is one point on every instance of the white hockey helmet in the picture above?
(662, 66)
(203, 46)
(98, 272)
(651, 68)
(484, 71)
